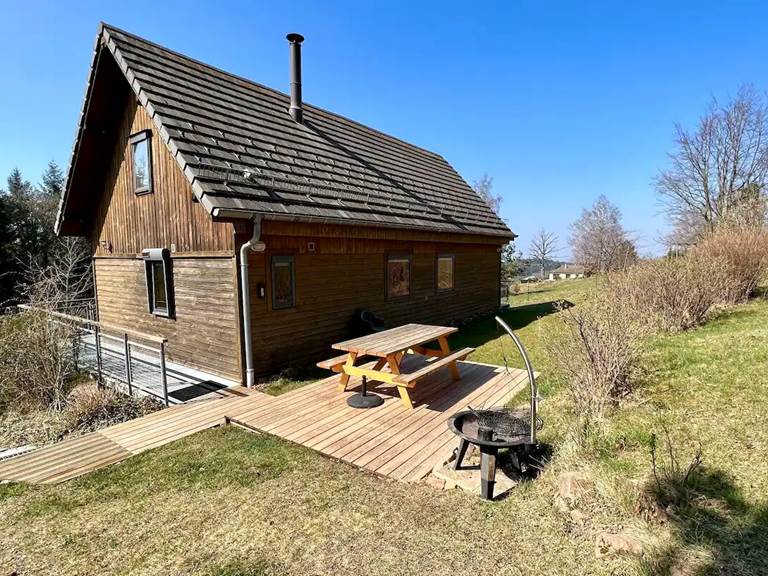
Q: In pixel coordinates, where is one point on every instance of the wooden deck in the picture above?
(389, 440)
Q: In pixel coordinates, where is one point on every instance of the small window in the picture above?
(141, 162)
(445, 272)
(159, 275)
(398, 276)
(283, 282)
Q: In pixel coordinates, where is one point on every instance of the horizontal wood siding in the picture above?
(344, 274)
(128, 223)
(205, 332)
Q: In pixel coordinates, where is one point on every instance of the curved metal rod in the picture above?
(531, 378)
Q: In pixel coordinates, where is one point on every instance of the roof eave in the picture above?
(235, 214)
(81, 123)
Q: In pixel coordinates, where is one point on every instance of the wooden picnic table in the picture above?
(390, 346)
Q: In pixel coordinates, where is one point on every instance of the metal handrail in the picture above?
(98, 330)
(531, 377)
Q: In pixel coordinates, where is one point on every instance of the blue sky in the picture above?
(559, 102)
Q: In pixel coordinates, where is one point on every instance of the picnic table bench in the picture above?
(390, 347)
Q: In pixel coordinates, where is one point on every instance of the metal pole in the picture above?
(163, 374)
(128, 375)
(531, 378)
(97, 336)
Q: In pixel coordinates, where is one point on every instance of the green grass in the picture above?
(226, 502)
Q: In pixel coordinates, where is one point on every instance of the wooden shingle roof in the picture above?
(244, 154)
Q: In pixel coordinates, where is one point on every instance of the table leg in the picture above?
(446, 350)
(393, 361)
(380, 364)
(344, 380)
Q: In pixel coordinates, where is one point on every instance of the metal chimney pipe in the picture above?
(296, 111)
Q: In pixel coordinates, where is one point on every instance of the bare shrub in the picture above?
(91, 408)
(671, 294)
(594, 349)
(674, 473)
(36, 361)
(743, 254)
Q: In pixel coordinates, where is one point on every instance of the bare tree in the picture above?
(543, 247)
(719, 172)
(66, 281)
(599, 241)
(484, 187)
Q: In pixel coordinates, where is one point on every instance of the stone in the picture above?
(561, 505)
(578, 517)
(435, 482)
(624, 542)
(570, 485)
(468, 479)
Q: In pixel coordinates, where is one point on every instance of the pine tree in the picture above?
(53, 181)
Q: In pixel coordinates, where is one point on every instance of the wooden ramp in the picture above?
(389, 440)
(77, 456)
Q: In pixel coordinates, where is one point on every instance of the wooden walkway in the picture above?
(389, 440)
(77, 456)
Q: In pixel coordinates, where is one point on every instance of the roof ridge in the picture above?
(104, 25)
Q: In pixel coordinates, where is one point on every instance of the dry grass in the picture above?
(227, 501)
(87, 408)
(90, 408)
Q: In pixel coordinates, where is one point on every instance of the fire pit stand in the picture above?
(496, 428)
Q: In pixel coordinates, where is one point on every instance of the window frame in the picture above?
(282, 258)
(143, 137)
(152, 256)
(452, 258)
(398, 256)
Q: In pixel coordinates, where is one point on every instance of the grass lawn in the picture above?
(227, 502)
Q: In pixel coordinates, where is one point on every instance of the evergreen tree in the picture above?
(53, 181)
(27, 239)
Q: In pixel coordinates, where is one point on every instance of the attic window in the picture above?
(141, 156)
(159, 276)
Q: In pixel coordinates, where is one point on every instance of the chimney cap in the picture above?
(294, 37)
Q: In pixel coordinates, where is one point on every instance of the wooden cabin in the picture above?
(177, 165)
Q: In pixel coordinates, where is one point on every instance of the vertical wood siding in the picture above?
(130, 223)
(344, 274)
(205, 331)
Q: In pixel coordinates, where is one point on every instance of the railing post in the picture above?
(128, 375)
(163, 375)
(76, 348)
(97, 336)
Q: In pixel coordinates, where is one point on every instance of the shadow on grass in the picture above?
(483, 330)
(718, 518)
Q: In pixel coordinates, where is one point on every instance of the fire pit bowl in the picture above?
(508, 427)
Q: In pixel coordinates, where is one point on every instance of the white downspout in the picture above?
(256, 245)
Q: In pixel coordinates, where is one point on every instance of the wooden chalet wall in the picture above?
(347, 271)
(205, 331)
(129, 223)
